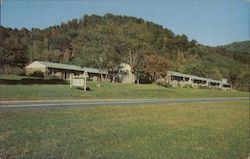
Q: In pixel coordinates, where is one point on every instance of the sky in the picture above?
(210, 22)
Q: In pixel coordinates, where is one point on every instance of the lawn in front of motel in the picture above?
(23, 88)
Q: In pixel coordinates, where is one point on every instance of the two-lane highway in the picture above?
(55, 104)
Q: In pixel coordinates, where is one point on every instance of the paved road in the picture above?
(55, 104)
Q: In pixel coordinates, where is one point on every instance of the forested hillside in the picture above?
(106, 41)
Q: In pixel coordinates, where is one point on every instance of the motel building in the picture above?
(180, 79)
(64, 71)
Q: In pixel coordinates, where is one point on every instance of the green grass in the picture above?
(204, 131)
(106, 90)
(12, 77)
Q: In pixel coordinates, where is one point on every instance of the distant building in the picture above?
(180, 79)
(64, 71)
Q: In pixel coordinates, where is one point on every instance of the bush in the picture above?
(54, 77)
(9, 70)
(37, 74)
(188, 86)
(164, 84)
(203, 87)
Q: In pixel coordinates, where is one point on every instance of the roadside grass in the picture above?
(105, 90)
(201, 130)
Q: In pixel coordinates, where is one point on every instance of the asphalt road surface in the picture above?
(56, 104)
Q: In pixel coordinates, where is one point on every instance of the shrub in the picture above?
(9, 70)
(203, 87)
(54, 77)
(37, 74)
(164, 84)
(89, 79)
(188, 86)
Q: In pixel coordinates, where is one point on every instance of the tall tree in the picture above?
(155, 65)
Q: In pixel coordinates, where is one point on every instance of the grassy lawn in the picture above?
(105, 90)
(204, 131)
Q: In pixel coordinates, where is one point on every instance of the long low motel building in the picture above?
(64, 71)
(177, 78)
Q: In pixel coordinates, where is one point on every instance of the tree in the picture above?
(197, 69)
(13, 52)
(215, 74)
(155, 65)
(193, 43)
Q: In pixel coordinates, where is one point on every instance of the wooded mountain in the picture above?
(106, 41)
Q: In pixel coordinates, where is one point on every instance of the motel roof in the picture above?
(68, 67)
(194, 77)
(94, 70)
(61, 66)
